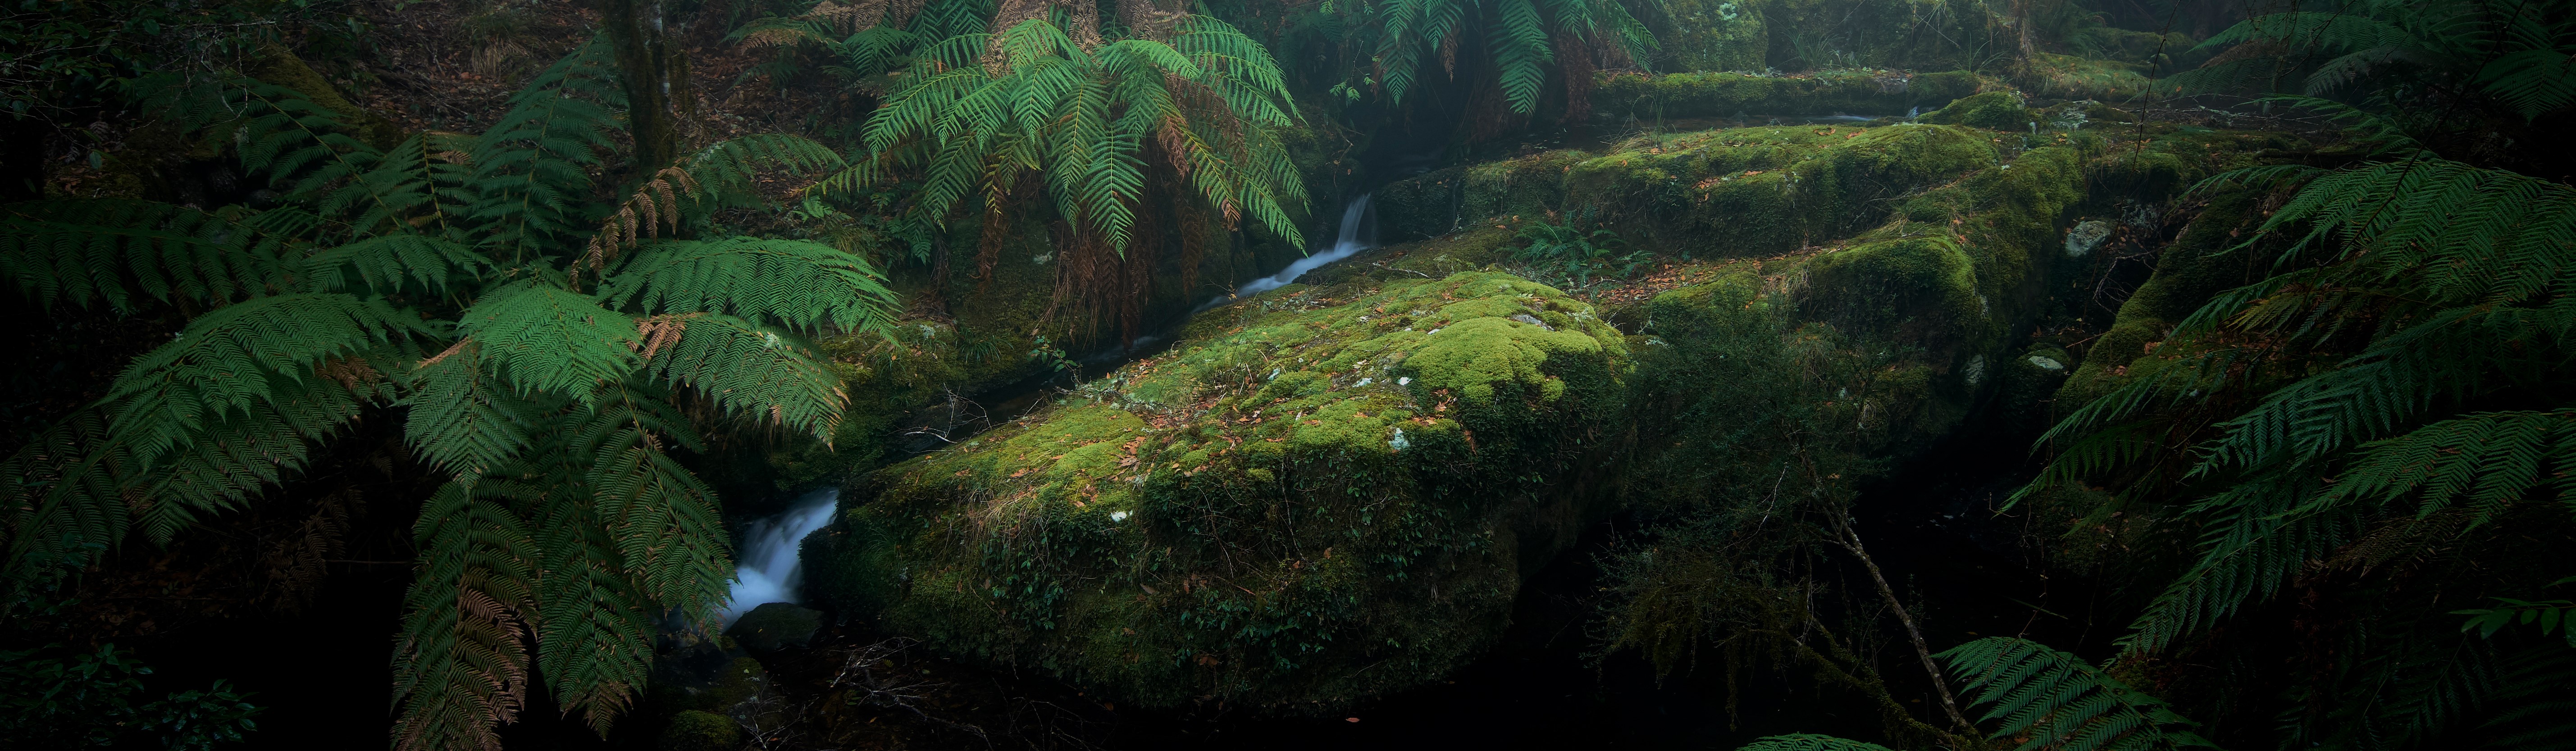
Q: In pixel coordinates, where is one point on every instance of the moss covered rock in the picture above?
(693, 730)
(1311, 501)
(1740, 95)
(1993, 110)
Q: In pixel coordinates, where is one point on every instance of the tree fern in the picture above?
(1517, 34)
(2056, 701)
(978, 112)
(549, 404)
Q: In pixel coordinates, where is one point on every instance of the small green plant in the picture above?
(1576, 255)
(53, 697)
(1051, 357)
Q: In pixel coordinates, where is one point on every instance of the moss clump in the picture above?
(1993, 110)
(1847, 92)
(693, 730)
(1317, 498)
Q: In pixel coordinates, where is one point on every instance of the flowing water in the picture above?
(1357, 234)
(769, 570)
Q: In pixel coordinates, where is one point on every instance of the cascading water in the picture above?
(769, 570)
(1355, 218)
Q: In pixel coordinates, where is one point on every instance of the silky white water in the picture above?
(1353, 216)
(768, 569)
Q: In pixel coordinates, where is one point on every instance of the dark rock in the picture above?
(775, 626)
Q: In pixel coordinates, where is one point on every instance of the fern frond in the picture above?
(594, 630)
(118, 252)
(1809, 742)
(241, 358)
(2059, 702)
(746, 370)
(391, 264)
(2258, 538)
(661, 517)
(461, 662)
(238, 453)
(531, 178)
(543, 338)
(459, 419)
(786, 283)
(67, 500)
(2489, 459)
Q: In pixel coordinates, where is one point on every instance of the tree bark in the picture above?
(645, 64)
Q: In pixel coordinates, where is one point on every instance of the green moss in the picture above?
(1993, 110)
(1768, 190)
(1738, 95)
(693, 730)
(1322, 495)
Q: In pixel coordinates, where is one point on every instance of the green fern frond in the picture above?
(661, 518)
(543, 338)
(239, 358)
(746, 370)
(2059, 702)
(532, 169)
(2488, 459)
(66, 497)
(391, 264)
(119, 252)
(236, 455)
(732, 165)
(1809, 742)
(461, 662)
(594, 629)
(458, 419)
(786, 283)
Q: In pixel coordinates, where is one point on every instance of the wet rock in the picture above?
(775, 627)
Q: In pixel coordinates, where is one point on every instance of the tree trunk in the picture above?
(647, 66)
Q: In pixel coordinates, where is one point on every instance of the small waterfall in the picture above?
(1355, 217)
(768, 569)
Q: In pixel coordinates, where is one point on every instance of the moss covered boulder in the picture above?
(1312, 500)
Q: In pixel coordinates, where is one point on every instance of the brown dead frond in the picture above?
(656, 203)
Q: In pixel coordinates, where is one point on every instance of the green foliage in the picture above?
(2392, 392)
(1808, 742)
(539, 340)
(56, 698)
(1564, 250)
(2547, 615)
(1519, 37)
(985, 113)
(2058, 702)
